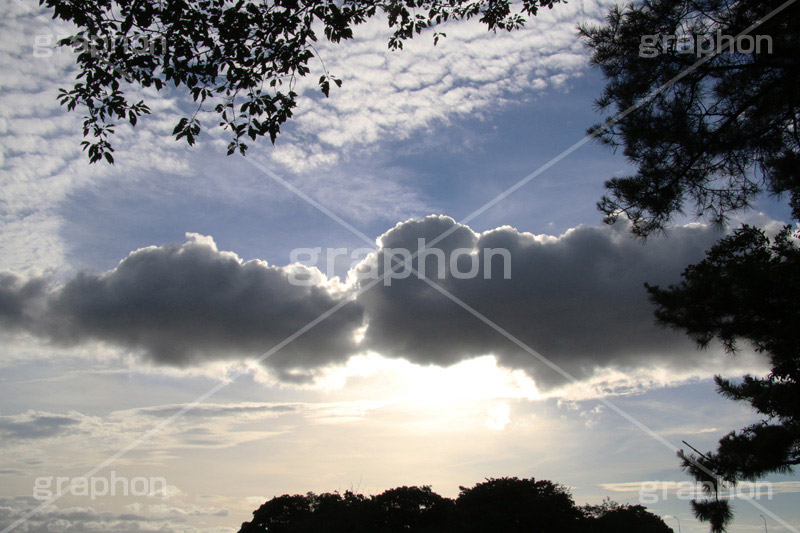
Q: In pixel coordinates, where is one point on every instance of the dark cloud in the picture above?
(16, 296)
(578, 299)
(34, 425)
(183, 304)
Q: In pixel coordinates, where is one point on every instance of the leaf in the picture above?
(228, 55)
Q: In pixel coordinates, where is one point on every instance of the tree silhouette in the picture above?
(326, 513)
(611, 517)
(716, 512)
(747, 289)
(411, 509)
(503, 504)
(713, 130)
(517, 505)
(238, 61)
(718, 137)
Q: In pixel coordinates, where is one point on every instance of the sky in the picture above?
(155, 294)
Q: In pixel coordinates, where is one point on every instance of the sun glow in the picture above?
(478, 379)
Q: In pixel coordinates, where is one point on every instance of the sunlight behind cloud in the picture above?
(499, 417)
(473, 380)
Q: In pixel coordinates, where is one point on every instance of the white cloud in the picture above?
(390, 96)
(135, 519)
(499, 417)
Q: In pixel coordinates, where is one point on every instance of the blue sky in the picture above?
(426, 131)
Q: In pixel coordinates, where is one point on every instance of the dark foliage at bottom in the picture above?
(504, 504)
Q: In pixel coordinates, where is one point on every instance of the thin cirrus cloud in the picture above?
(576, 298)
(38, 425)
(167, 519)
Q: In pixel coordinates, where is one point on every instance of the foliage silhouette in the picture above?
(717, 139)
(238, 61)
(611, 517)
(504, 504)
(517, 505)
(747, 289)
(411, 508)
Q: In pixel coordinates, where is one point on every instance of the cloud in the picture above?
(89, 520)
(499, 417)
(37, 425)
(185, 304)
(386, 97)
(253, 411)
(15, 297)
(391, 95)
(205, 426)
(576, 298)
(40, 154)
(241, 410)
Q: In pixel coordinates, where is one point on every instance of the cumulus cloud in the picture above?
(185, 304)
(577, 299)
